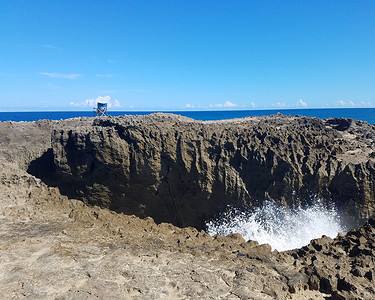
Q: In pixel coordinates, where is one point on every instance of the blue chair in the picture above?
(101, 110)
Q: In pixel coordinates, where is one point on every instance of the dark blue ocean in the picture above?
(363, 114)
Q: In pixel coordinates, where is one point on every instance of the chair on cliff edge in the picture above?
(101, 110)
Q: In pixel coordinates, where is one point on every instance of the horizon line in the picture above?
(186, 110)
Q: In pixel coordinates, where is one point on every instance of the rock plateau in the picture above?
(77, 197)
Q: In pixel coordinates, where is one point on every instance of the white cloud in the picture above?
(351, 103)
(366, 104)
(59, 75)
(116, 103)
(300, 102)
(279, 104)
(190, 106)
(93, 102)
(220, 105)
(229, 104)
(253, 105)
(345, 103)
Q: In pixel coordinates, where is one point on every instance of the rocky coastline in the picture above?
(115, 207)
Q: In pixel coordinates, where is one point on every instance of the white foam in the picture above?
(278, 226)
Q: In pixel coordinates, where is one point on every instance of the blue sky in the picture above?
(196, 55)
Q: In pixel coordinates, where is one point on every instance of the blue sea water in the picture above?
(363, 114)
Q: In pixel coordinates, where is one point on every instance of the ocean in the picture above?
(363, 114)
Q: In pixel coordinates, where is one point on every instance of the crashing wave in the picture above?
(282, 228)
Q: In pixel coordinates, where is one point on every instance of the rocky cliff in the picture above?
(184, 172)
(55, 247)
(52, 247)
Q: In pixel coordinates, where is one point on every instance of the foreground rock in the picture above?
(53, 247)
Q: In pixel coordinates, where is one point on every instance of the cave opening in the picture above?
(185, 208)
(176, 199)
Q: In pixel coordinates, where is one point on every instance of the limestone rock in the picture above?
(182, 171)
(55, 247)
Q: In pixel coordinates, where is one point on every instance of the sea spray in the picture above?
(282, 228)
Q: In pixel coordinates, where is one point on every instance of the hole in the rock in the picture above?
(176, 196)
(177, 200)
(44, 167)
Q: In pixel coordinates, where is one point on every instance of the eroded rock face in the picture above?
(182, 171)
(53, 247)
